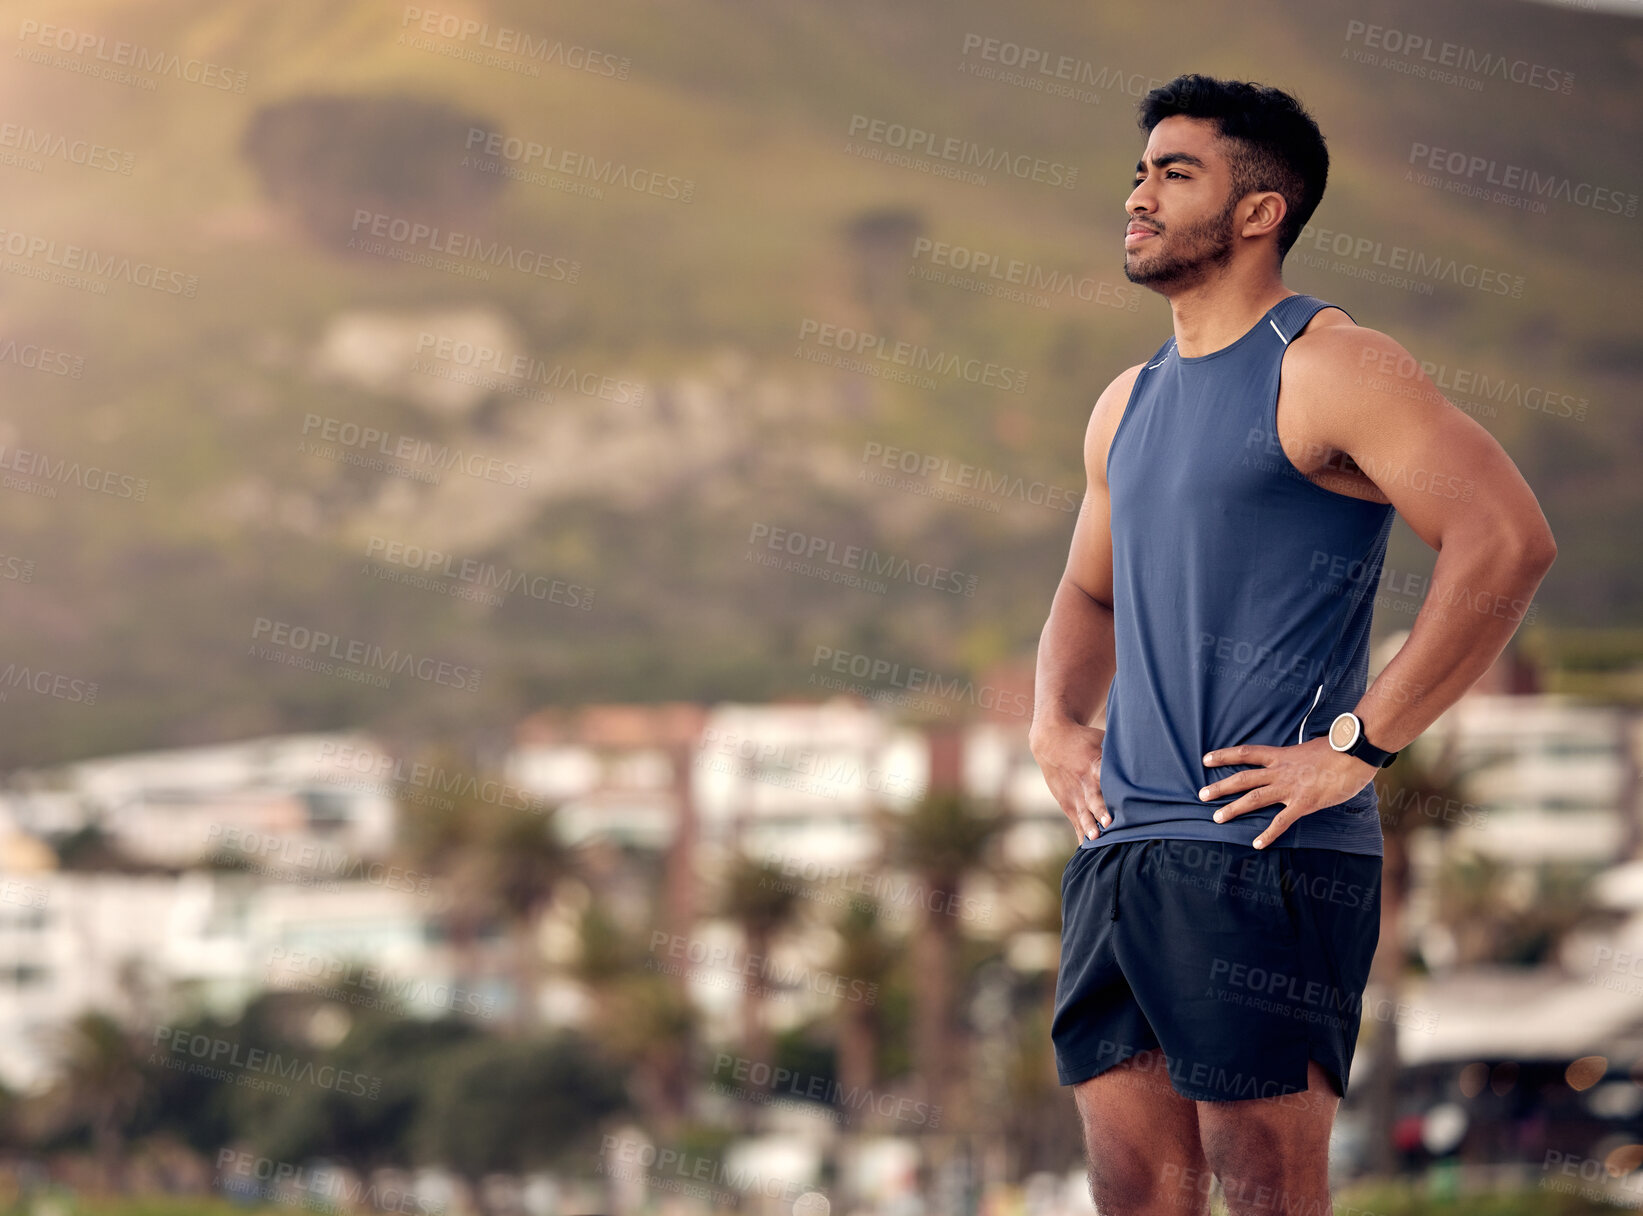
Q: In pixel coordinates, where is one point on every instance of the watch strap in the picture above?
(1366, 751)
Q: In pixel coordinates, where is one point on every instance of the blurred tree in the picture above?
(501, 866)
(322, 157)
(762, 901)
(368, 1122)
(941, 840)
(644, 1021)
(100, 1087)
(1040, 1120)
(517, 868)
(881, 242)
(865, 953)
(1421, 789)
(1496, 912)
(516, 1105)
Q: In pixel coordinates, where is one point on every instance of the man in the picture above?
(1222, 909)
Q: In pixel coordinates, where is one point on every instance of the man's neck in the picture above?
(1217, 312)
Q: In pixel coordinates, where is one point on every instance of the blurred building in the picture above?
(800, 778)
(616, 772)
(1554, 777)
(263, 801)
(152, 949)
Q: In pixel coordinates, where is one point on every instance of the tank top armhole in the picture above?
(1129, 402)
(1272, 417)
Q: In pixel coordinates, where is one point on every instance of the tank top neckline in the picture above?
(1236, 342)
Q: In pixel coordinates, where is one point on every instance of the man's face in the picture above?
(1181, 212)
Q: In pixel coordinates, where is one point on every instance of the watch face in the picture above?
(1344, 731)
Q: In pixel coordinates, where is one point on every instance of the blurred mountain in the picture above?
(534, 308)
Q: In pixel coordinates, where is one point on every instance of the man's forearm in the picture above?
(1478, 597)
(1076, 660)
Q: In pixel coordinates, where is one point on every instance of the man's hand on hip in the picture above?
(1305, 777)
(1070, 757)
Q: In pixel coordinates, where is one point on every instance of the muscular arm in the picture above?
(1459, 492)
(1355, 408)
(1075, 651)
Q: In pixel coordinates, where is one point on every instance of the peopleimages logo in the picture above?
(123, 55)
(360, 658)
(243, 1176)
(822, 557)
(37, 358)
(214, 1056)
(1400, 265)
(920, 680)
(676, 955)
(515, 158)
(526, 369)
(1044, 71)
(372, 987)
(1424, 56)
(353, 440)
(1470, 173)
(969, 476)
(400, 773)
(1005, 278)
(56, 262)
(504, 40)
(408, 240)
(767, 1084)
(29, 142)
(953, 155)
(910, 358)
(468, 577)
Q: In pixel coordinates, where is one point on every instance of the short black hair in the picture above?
(1276, 145)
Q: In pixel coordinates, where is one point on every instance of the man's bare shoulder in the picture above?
(1104, 420)
(1333, 345)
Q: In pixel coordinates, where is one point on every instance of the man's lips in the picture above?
(1137, 232)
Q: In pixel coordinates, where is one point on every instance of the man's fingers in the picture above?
(1078, 814)
(1244, 753)
(1098, 808)
(1252, 801)
(1280, 823)
(1246, 779)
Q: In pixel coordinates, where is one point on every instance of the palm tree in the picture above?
(642, 1019)
(500, 864)
(516, 869)
(864, 954)
(763, 902)
(1500, 913)
(942, 840)
(1408, 791)
(1041, 1122)
(100, 1086)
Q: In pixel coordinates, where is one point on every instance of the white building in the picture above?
(180, 806)
(1551, 776)
(799, 778)
(804, 780)
(153, 949)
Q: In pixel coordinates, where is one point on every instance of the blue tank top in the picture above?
(1232, 619)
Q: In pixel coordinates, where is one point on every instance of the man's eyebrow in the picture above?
(1171, 158)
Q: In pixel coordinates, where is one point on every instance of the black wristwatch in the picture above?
(1346, 735)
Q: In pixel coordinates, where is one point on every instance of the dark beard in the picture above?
(1200, 249)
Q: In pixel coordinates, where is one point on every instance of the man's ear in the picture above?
(1266, 211)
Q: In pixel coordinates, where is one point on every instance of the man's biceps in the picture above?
(1438, 461)
(1089, 564)
(1091, 584)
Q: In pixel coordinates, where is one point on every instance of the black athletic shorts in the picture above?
(1239, 962)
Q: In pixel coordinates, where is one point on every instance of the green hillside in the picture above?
(652, 508)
